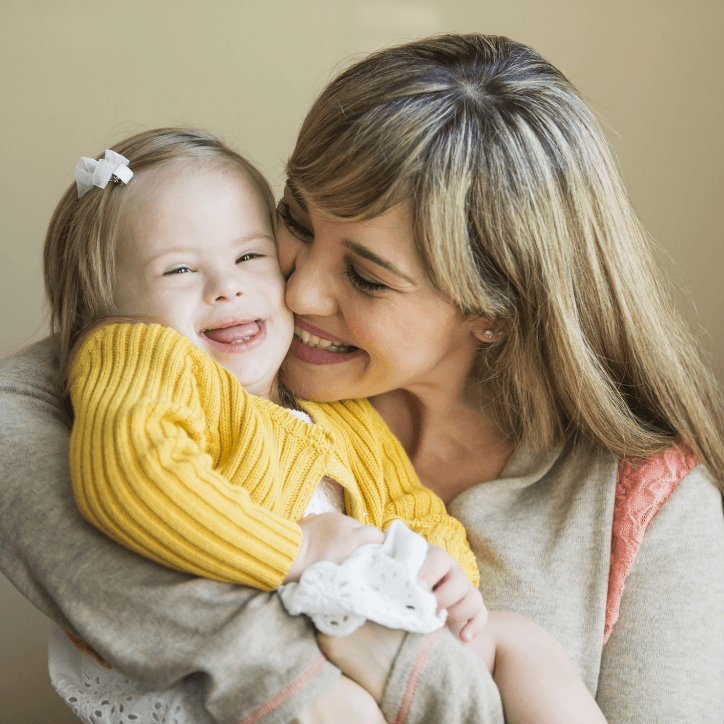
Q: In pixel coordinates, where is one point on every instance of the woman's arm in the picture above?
(154, 623)
(664, 661)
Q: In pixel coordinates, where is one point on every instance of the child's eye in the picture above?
(362, 282)
(178, 270)
(249, 255)
(293, 222)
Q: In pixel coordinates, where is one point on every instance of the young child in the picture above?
(179, 449)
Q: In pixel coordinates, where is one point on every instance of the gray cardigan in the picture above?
(541, 533)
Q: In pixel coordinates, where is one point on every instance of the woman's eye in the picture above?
(247, 257)
(293, 222)
(178, 270)
(362, 282)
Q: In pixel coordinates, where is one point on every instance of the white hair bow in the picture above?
(90, 173)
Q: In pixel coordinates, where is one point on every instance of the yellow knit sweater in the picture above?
(171, 457)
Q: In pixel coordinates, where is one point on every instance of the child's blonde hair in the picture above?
(80, 246)
(521, 216)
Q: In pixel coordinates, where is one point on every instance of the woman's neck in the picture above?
(449, 433)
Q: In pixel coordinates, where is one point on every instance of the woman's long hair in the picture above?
(80, 246)
(521, 216)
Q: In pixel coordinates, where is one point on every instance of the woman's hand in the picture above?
(330, 537)
(345, 702)
(442, 574)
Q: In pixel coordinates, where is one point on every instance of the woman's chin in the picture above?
(322, 382)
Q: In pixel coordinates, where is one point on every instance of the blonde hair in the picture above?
(521, 216)
(80, 246)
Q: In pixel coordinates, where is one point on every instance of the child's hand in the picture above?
(442, 574)
(330, 537)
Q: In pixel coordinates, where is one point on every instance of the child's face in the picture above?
(197, 252)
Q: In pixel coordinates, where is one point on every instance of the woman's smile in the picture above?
(317, 347)
(361, 297)
(313, 336)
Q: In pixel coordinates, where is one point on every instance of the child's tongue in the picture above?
(237, 332)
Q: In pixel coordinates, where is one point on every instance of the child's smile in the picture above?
(236, 335)
(198, 253)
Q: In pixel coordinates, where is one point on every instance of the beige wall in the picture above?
(79, 75)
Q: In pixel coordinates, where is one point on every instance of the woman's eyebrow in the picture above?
(365, 253)
(297, 196)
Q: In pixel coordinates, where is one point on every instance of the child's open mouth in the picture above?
(237, 337)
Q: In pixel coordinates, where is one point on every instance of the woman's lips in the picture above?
(319, 356)
(316, 331)
(317, 346)
(236, 337)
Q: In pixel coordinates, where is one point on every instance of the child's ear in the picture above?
(485, 329)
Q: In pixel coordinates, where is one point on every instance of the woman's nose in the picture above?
(310, 286)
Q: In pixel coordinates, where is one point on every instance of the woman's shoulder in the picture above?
(29, 405)
(653, 478)
(643, 487)
(30, 372)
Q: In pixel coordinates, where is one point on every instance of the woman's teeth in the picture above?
(312, 341)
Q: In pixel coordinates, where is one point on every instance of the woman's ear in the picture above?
(485, 329)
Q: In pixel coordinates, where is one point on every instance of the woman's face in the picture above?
(367, 319)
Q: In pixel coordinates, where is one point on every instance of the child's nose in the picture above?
(224, 288)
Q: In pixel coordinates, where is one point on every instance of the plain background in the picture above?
(79, 75)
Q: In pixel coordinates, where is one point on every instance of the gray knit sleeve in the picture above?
(664, 662)
(153, 623)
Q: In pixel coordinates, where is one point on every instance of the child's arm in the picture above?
(145, 466)
(454, 592)
(330, 537)
(419, 508)
(537, 681)
(450, 569)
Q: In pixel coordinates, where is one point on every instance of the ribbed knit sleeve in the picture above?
(387, 482)
(152, 416)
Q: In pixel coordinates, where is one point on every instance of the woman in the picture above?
(459, 184)
(456, 225)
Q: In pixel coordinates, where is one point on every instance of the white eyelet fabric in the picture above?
(98, 695)
(376, 583)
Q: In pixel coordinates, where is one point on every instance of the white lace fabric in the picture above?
(376, 583)
(98, 695)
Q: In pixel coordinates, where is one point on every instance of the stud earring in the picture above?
(487, 334)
